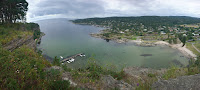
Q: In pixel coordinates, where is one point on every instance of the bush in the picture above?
(53, 74)
(65, 68)
(118, 75)
(94, 75)
(106, 34)
(59, 85)
(151, 75)
(56, 61)
(36, 34)
(94, 69)
(22, 69)
(194, 67)
(119, 38)
(171, 73)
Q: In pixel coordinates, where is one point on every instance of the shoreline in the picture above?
(185, 51)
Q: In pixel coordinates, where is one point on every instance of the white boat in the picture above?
(82, 55)
(61, 57)
(72, 60)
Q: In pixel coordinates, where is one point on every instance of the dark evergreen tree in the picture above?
(12, 10)
(184, 40)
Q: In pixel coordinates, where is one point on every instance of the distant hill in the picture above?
(148, 21)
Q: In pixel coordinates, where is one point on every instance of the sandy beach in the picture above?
(179, 47)
(185, 51)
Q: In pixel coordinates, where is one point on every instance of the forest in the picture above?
(148, 22)
(13, 10)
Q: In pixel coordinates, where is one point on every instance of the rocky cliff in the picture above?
(18, 42)
(191, 82)
(25, 39)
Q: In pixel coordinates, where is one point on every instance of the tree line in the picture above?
(13, 10)
(148, 21)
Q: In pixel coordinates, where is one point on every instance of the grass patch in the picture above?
(10, 32)
(134, 38)
(171, 73)
(190, 47)
(93, 72)
(23, 68)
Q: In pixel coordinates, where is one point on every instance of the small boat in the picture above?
(71, 60)
(61, 57)
(82, 55)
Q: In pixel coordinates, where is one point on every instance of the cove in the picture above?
(63, 38)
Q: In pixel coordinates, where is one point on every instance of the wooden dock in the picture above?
(68, 58)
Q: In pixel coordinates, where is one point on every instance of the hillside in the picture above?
(21, 66)
(130, 22)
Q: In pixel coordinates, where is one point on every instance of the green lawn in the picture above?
(134, 38)
(190, 47)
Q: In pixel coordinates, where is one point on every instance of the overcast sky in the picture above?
(46, 9)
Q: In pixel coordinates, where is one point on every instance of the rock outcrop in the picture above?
(138, 71)
(191, 82)
(110, 83)
(16, 43)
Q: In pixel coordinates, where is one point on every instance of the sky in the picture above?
(77, 9)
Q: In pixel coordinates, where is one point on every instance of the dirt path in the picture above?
(195, 47)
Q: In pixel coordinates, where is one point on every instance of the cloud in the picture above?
(44, 9)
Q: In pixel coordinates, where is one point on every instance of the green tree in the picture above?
(184, 40)
(56, 61)
(12, 10)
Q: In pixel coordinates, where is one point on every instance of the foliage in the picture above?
(56, 61)
(65, 68)
(191, 69)
(151, 75)
(136, 23)
(12, 10)
(36, 34)
(9, 32)
(194, 67)
(190, 47)
(93, 72)
(134, 38)
(59, 85)
(53, 74)
(184, 40)
(25, 68)
(22, 69)
(171, 73)
(94, 69)
(106, 34)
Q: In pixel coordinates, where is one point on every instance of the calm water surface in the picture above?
(64, 38)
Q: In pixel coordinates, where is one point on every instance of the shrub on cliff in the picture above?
(56, 61)
(22, 69)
